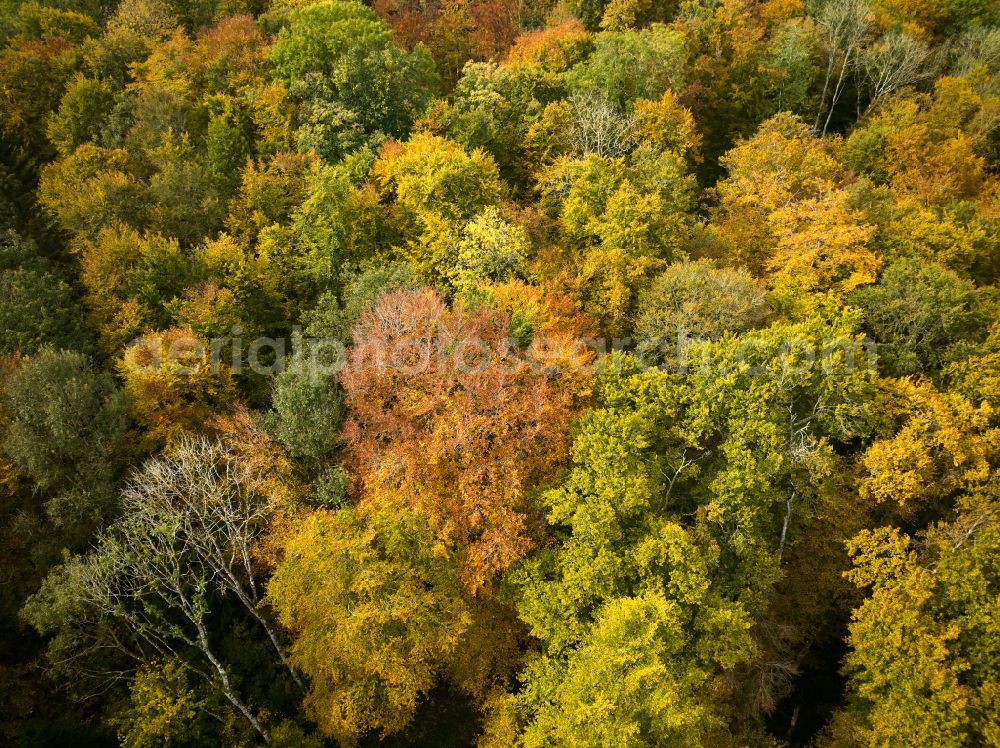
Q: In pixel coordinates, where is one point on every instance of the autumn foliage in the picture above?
(509, 373)
(432, 392)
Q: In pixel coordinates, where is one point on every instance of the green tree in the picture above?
(695, 300)
(334, 318)
(268, 193)
(590, 12)
(67, 434)
(308, 405)
(80, 115)
(672, 523)
(622, 219)
(437, 186)
(630, 65)
(923, 316)
(37, 306)
(337, 223)
(184, 204)
(339, 59)
(493, 107)
(795, 52)
(129, 280)
(92, 188)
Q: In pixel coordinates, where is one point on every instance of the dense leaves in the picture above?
(431, 393)
(499, 372)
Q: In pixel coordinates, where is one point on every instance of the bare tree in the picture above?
(189, 521)
(137, 597)
(219, 510)
(845, 24)
(975, 48)
(600, 128)
(898, 59)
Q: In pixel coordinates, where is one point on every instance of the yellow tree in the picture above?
(435, 186)
(670, 125)
(173, 384)
(374, 613)
(924, 644)
(932, 445)
(129, 278)
(822, 246)
(781, 165)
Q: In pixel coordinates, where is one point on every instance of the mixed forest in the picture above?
(500, 373)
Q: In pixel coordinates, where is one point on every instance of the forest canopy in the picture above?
(500, 373)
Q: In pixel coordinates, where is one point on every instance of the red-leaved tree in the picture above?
(450, 418)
